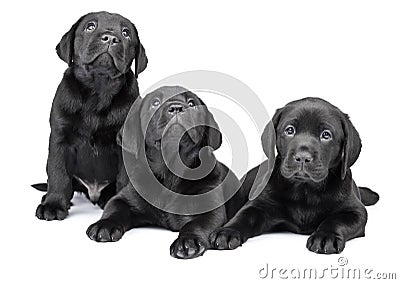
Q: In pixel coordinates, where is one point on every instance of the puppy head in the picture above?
(170, 115)
(103, 41)
(313, 137)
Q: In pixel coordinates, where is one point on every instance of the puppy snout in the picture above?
(303, 157)
(109, 39)
(175, 108)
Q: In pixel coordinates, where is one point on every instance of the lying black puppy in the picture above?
(89, 108)
(161, 120)
(311, 189)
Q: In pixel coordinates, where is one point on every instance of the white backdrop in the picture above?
(347, 52)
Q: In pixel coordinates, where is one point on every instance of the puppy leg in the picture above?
(193, 237)
(106, 194)
(251, 220)
(332, 234)
(55, 204)
(118, 217)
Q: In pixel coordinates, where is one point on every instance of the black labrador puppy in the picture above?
(90, 106)
(311, 189)
(161, 120)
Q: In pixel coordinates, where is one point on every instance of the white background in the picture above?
(347, 52)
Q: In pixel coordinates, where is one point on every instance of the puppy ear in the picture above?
(130, 137)
(351, 145)
(214, 136)
(140, 55)
(65, 48)
(268, 137)
(268, 141)
(140, 60)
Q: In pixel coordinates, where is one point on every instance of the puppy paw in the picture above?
(225, 238)
(105, 230)
(325, 242)
(51, 211)
(188, 247)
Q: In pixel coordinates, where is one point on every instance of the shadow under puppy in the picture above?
(157, 137)
(89, 108)
(311, 189)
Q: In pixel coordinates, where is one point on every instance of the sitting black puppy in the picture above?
(165, 149)
(89, 108)
(311, 189)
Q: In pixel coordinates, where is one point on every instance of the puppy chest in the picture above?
(95, 162)
(89, 120)
(305, 217)
(95, 132)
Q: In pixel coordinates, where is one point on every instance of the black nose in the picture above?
(303, 157)
(175, 108)
(109, 39)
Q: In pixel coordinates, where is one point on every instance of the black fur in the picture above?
(128, 209)
(311, 189)
(89, 108)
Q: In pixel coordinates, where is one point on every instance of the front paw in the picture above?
(105, 230)
(188, 247)
(226, 238)
(51, 211)
(325, 242)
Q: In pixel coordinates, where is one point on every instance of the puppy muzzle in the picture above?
(181, 119)
(304, 167)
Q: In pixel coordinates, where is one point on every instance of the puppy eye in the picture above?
(155, 103)
(191, 103)
(326, 135)
(91, 26)
(126, 33)
(290, 130)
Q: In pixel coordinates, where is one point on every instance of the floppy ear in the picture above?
(140, 55)
(214, 136)
(130, 137)
(268, 137)
(140, 60)
(65, 48)
(268, 141)
(351, 145)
